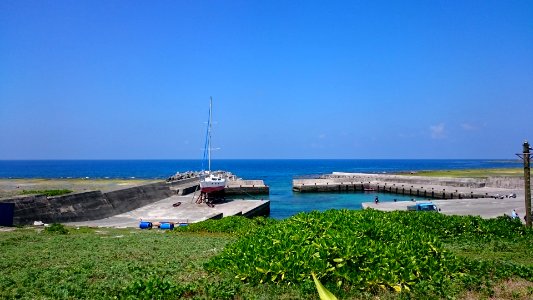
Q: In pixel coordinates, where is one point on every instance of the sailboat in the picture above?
(210, 181)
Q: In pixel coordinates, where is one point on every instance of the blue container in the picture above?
(145, 225)
(6, 214)
(169, 226)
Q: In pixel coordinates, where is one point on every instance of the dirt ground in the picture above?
(14, 187)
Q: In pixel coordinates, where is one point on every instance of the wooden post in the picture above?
(527, 183)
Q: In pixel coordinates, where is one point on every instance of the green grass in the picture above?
(97, 264)
(473, 173)
(48, 193)
(91, 263)
(518, 250)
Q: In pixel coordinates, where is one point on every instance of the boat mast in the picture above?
(209, 135)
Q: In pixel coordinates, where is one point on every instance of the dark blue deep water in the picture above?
(278, 174)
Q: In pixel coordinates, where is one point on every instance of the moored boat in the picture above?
(210, 181)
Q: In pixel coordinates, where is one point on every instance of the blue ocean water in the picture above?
(278, 174)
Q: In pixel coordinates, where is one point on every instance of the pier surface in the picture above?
(483, 207)
(485, 197)
(187, 212)
(416, 186)
(120, 203)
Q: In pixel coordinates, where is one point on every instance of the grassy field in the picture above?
(98, 263)
(90, 263)
(473, 173)
(106, 263)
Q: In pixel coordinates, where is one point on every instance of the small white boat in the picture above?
(210, 181)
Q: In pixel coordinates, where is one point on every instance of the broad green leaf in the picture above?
(322, 291)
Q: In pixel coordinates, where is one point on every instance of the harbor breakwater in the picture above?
(94, 205)
(493, 182)
(246, 187)
(427, 187)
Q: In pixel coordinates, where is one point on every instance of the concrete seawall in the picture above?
(495, 181)
(96, 205)
(93, 205)
(416, 186)
(418, 191)
(243, 187)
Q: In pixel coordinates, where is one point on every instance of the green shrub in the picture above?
(56, 228)
(234, 224)
(460, 226)
(370, 251)
(361, 249)
(155, 287)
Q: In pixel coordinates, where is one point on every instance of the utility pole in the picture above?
(527, 181)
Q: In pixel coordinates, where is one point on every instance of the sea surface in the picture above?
(277, 174)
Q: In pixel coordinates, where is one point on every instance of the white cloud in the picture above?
(403, 135)
(438, 131)
(468, 127)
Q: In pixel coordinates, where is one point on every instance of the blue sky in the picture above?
(289, 79)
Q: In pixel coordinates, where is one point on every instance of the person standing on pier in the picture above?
(376, 200)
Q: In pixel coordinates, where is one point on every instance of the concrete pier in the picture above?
(485, 197)
(246, 187)
(98, 205)
(416, 186)
(187, 212)
(437, 192)
(483, 207)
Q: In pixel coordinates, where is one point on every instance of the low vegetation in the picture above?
(13, 187)
(48, 193)
(472, 173)
(372, 251)
(355, 254)
(233, 224)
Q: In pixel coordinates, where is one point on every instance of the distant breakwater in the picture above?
(419, 186)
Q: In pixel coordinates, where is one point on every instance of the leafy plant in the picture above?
(367, 250)
(234, 224)
(322, 291)
(361, 249)
(155, 287)
(56, 228)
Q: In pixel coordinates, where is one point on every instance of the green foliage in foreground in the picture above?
(48, 193)
(370, 251)
(470, 254)
(233, 224)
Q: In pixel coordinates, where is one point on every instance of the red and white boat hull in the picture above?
(211, 189)
(212, 183)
